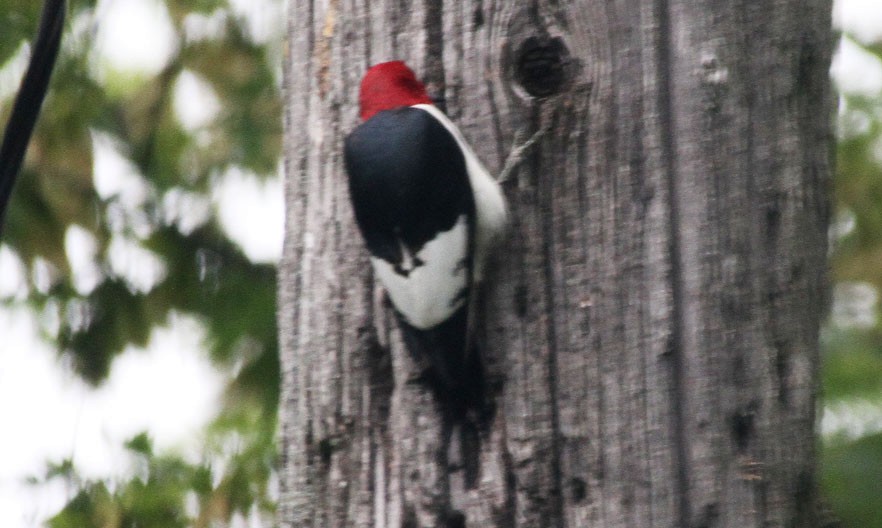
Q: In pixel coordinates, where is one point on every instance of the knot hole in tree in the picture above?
(541, 65)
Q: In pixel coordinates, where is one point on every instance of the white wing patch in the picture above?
(431, 289)
(490, 208)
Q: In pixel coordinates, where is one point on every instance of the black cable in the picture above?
(29, 99)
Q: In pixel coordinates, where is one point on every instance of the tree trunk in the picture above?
(652, 330)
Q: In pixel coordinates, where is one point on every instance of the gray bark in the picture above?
(652, 328)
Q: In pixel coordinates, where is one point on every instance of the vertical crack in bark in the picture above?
(496, 122)
(505, 516)
(296, 490)
(434, 60)
(323, 52)
(547, 222)
(669, 164)
(368, 35)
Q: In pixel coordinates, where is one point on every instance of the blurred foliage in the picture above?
(853, 364)
(169, 491)
(851, 461)
(207, 275)
(851, 479)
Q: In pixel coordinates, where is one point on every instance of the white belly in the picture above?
(432, 290)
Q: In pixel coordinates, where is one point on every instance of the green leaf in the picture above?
(852, 364)
(140, 444)
(850, 476)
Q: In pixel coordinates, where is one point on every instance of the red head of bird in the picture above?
(390, 85)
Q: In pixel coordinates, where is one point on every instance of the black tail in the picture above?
(454, 370)
(455, 373)
(30, 98)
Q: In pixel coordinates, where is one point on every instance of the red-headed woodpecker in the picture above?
(429, 212)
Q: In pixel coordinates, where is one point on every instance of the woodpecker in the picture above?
(430, 215)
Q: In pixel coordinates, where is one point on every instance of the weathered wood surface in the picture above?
(653, 322)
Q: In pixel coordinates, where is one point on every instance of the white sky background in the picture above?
(170, 389)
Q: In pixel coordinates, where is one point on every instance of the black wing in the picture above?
(407, 180)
